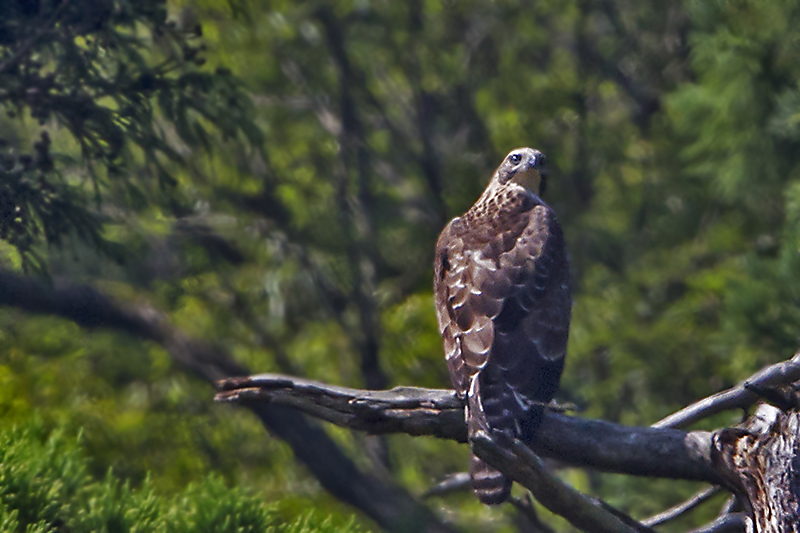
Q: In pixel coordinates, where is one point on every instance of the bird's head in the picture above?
(526, 167)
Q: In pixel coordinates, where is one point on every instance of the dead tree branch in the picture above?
(525, 467)
(440, 413)
(756, 460)
(738, 397)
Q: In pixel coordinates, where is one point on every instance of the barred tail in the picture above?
(491, 486)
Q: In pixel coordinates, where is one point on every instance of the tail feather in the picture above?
(489, 484)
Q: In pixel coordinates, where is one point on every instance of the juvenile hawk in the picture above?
(503, 303)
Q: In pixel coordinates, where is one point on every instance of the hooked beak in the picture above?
(540, 165)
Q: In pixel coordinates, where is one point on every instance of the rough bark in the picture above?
(761, 460)
(597, 444)
(523, 466)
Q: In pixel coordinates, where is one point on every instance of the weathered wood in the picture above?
(762, 461)
(436, 413)
(523, 466)
(605, 446)
(739, 397)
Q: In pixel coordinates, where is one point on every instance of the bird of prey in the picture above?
(503, 303)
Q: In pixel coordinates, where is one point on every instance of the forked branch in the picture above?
(584, 512)
(738, 397)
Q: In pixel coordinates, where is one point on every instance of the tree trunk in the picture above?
(761, 462)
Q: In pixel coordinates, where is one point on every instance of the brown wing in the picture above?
(467, 328)
(531, 331)
(503, 303)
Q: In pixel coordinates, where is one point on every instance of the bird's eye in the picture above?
(515, 158)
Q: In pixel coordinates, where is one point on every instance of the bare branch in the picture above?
(737, 397)
(683, 507)
(525, 467)
(438, 413)
(590, 443)
(731, 523)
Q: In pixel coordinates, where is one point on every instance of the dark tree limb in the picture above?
(732, 505)
(525, 467)
(738, 397)
(759, 461)
(440, 413)
(389, 505)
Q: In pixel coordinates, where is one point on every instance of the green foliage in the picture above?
(39, 479)
(45, 486)
(95, 74)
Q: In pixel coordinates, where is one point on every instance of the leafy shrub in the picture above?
(45, 486)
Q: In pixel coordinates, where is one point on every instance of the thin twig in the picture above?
(737, 397)
(683, 507)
